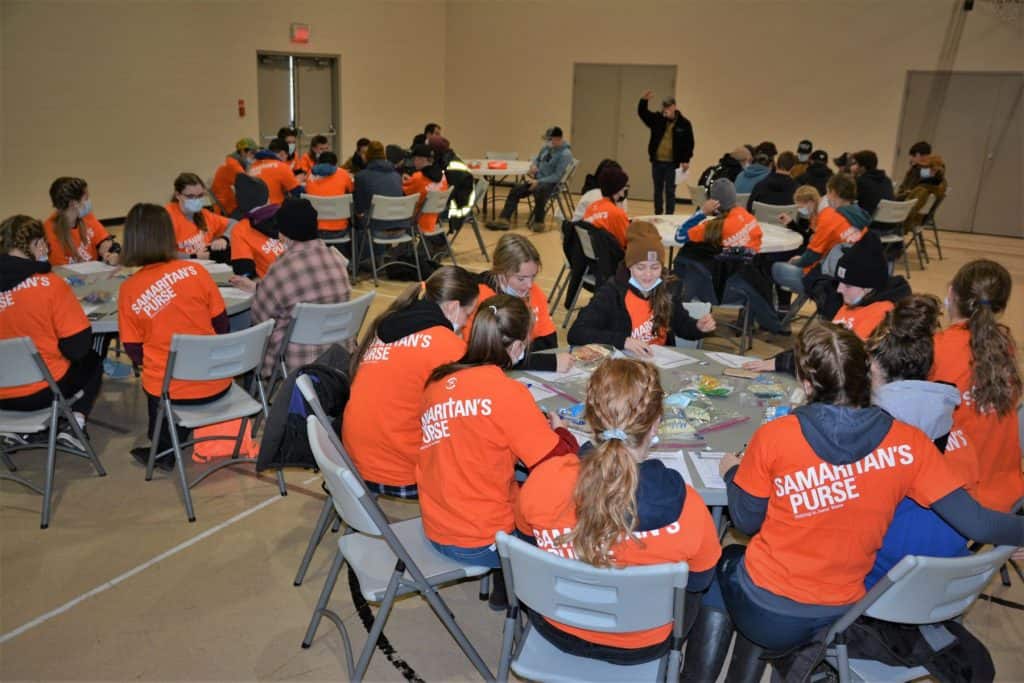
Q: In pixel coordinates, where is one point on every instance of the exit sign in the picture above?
(300, 33)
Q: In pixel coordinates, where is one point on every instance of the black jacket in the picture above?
(776, 189)
(873, 187)
(816, 176)
(605, 320)
(682, 135)
(13, 271)
(379, 177)
(727, 167)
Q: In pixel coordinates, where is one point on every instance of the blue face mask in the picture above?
(636, 285)
(926, 173)
(511, 292)
(85, 209)
(192, 206)
(804, 211)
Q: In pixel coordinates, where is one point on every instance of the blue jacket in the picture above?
(750, 177)
(551, 162)
(379, 177)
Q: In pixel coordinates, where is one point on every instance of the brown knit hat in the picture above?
(643, 243)
(375, 150)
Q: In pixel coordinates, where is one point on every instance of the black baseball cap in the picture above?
(819, 156)
(553, 132)
(805, 147)
(422, 150)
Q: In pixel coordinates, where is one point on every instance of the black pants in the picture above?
(664, 174)
(541, 193)
(85, 375)
(154, 407)
(574, 645)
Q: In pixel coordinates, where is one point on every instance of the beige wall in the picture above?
(127, 93)
(745, 74)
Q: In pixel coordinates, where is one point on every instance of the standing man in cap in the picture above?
(308, 271)
(223, 185)
(803, 157)
(546, 171)
(670, 147)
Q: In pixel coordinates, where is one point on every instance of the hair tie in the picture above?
(614, 435)
(423, 286)
(494, 309)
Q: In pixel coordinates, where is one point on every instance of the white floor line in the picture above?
(132, 572)
(311, 480)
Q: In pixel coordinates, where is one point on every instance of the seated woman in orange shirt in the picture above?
(514, 267)
(978, 354)
(36, 303)
(166, 296)
(607, 212)
(408, 341)
(618, 507)
(73, 232)
(816, 490)
(198, 232)
(477, 423)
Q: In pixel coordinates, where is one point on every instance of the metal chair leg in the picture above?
(51, 461)
(479, 237)
(180, 462)
(325, 596)
(572, 304)
(558, 280)
(314, 539)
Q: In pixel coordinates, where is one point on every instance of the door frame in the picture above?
(335, 101)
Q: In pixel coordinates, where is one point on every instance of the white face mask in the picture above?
(291, 148)
(804, 211)
(926, 173)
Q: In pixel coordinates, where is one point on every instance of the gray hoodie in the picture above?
(928, 406)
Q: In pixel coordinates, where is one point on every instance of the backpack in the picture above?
(285, 443)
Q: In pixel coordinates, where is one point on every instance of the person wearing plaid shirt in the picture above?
(309, 271)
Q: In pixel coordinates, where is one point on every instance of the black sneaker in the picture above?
(500, 224)
(499, 598)
(12, 440)
(66, 437)
(164, 462)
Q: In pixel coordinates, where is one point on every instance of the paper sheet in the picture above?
(213, 268)
(89, 267)
(666, 357)
(573, 374)
(697, 309)
(730, 360)
(681, 176)
(234, 293)
(90, 308)
(538, 392)
(707, 469)
(674, 460)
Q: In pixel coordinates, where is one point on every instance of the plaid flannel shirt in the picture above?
(308, 272)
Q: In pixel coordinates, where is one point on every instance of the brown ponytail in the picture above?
(713, 232)
(661, 304)
(63, 191)
(450, 283)
(180, 183)
(500, 320)
(835, 362)
(903, 345)
(981, 290)
(622, 395)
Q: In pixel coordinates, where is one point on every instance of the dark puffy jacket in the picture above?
(379, 177)
(682, 135)
(776, 189)
(873, 187)
(727, 167)
(816, 176)
(605, 320)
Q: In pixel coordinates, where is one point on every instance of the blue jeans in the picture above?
(738, 291)
(788, 275)
(664, 175)
(484, 556)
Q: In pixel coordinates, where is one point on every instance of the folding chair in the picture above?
(336, 208)
(390, 560)
(477, 202)
(319, 324)
(918, 590)
(196, 357)
(895, 213)
(20, 363)
(393, 209)
(435, 202)
(582, 596)
(587, 245)
(561, 195)
(742, 199)
(698, 195)
(769, 213)
(929, 221)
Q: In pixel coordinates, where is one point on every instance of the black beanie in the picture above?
(296, 220)
(864, 264)
(611, 180)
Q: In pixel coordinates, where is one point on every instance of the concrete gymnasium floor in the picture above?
(122, 587)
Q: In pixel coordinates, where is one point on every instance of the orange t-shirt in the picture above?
(641, 317)
(335, 185)
(741, 229)
(249, 243)
(223, 185)
(609, 216)
(277, 175)
(832, 229)
(825, 522)
(187, 234)
(476, 423)
(44, 308)
(159, 301)
(304, 164)
(543, 325)
(420, 184)
(546, 506)
(996, 439)
(862, 320)
(85, 240)
(381, 429)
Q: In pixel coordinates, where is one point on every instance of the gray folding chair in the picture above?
(332, 209)
(320, 324)
(918, 590)
(916, 237)
(195, 357)
(435, 202)
(582, 596)
(20, 364)
(769, 213)
(929, 222)
(698, 195)
(393, 209)
(896, 214)
(561, 196)
(390, 560)
(587, 246)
